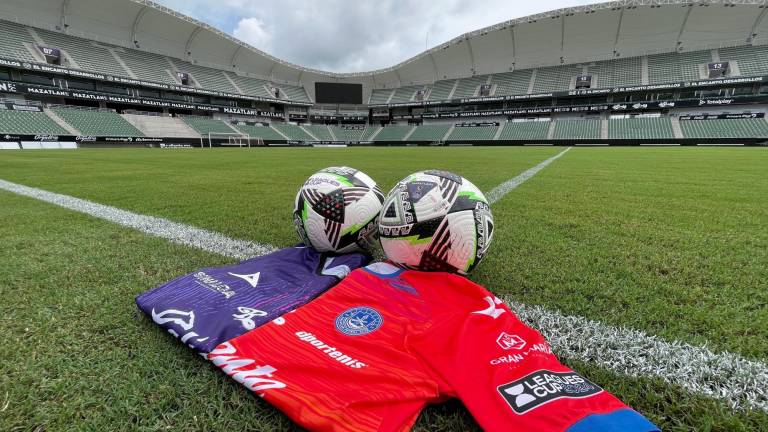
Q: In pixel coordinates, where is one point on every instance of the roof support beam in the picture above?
(135, 26)
(562, 38)
(471, 55)
(434, 66)
(190, 40)
(682, 28)
(399, 80)
(514, 48)
(618, 33)
(233, 62)
(758, 21)
(63, 17)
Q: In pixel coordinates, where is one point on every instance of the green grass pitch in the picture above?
(671, 241)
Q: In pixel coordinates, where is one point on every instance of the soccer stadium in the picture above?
(599, 175)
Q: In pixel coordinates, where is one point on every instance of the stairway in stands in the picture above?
(160, 126)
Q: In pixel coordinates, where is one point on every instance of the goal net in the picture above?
(231, 140)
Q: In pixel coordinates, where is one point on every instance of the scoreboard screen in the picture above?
(338, 93)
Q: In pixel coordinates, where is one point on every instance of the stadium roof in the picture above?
(571, 35)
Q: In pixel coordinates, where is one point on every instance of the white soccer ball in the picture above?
(337, 209)
(436, 221)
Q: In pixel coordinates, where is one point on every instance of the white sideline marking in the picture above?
(508, 186)
(739, 382)
(186, 235)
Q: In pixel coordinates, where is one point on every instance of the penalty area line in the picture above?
(735, 380)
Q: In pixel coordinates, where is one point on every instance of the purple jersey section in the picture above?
(214, 305)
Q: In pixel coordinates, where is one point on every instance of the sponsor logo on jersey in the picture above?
(252, 279)
(543, 386)
(244, 370)
(213, 284)
(492, 310)
(246, 316)
(515, 358)
(330, 351)
(507, 341)
(358, 321)
(183, 319)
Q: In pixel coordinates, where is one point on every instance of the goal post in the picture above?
(232, 139)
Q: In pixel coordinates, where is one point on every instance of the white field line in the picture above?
(186, 235)
(739, 382)
(499, 191)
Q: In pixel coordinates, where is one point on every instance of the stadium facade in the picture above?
(622, 72)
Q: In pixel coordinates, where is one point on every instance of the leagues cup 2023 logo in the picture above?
(541, 387)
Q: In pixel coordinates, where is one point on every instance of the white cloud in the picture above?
(253, 31)
(355, 35)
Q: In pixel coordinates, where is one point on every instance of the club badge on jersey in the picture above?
(213, 305)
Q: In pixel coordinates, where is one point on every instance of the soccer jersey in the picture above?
(371, 352)
(213, 305)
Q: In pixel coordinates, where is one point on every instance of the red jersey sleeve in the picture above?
(505, 372)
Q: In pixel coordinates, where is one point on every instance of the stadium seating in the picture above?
(433, 132)
(641, 128)
(751, 60)
(442, 90)
(406, 94)
(204, 125)
(380, 96)
(512, 83)
(292, 131)
(263, 132)
(473, 133)
(207, 78)
(615, 73)
(252, 86)
(98, 123)
(393, 133)
(525, 130)
(672, 67)
(294, 93)
(12, 39)
(555, 78)
(468, 87)
(89, 55)
(320, 132)
(160, 125)
(577, 129)
(28, 122)
(737, 128)
(369, 132)
(148, 66)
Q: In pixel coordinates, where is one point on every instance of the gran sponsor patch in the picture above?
(543, 386)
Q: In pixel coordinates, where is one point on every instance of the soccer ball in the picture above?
(436, 221)
(336, 210)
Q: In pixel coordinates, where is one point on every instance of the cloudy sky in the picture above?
(354, 35)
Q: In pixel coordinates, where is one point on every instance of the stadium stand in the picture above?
(380, 96)
(148, 66)
(473, 133)
(207, 78)
(512, 83)
(12, 39)
(525, 130)
(320, 132)
(28, 122)
(371, 132)
(349, 134)
(393, 133)
(294, 93)
(204, 125)
(751, 60)
(160, 126)
(252, 86)
(555, 78)
(468, 87)
(442, 90)
(640, 128)
(722, 128)
(89, 55)
(619, 72)
(263, 132)
(434, 132)
(577, 129)
(406, 94)
(671, 67)
(97, 122)
(292, 131)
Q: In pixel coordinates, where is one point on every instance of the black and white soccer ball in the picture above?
(436, 221)
(337, 210)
